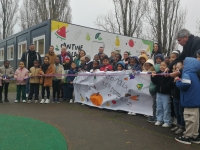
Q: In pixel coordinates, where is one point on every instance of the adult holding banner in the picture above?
(190, 43)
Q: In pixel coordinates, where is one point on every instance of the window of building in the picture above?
(40, 45)
(1, 54)
(10, 52)
(22, 47)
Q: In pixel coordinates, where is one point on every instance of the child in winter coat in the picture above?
(142, 59)
(6, 72)
(34, 81)
(163, 100)
(178, 109)
(121, 66)
(88, 63)
(158, 58)
(134, 64)
(148, 66)
(21, 74)
(95, 66)
(70, 79)
(118, 57)
(67, 66)
(189, 86)
(106, 66)
(57, 80)
(46, 70)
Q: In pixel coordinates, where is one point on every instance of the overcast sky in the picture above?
(85, 12)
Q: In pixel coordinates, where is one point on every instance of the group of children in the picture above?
(169, 94)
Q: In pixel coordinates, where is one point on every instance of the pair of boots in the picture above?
(178, 129)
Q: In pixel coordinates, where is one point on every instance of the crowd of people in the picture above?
(174, 87)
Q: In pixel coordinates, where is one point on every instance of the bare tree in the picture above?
(8, 16)
(165, 18)
(126, 18)
(35, 11)
(198, 27)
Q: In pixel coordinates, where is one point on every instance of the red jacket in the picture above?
(108, 67)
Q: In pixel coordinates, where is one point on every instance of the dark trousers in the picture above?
(179, 112)
(56, 88)
(71, 90)
(65, 91)
(47, 88)
(21, 89)
(5, 86)
(34, 89)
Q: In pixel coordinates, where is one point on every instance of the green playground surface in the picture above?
(20, 133)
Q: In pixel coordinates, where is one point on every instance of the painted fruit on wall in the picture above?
(131, 43)
(61, 33)
(96, 99)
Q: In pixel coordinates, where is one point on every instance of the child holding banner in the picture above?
(106, 66)
(21, 74)
(70, 80)
(189, 86)
(121, 66)
(163, 100)
(46, 71)
(34, 81)
(57, 80)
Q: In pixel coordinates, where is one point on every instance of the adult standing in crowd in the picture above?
(101, 51)
(143, 52)
(112, 57)
(6, 72)
(64, 54)
(28, 58)
(51, 55)
(126, 57)
(190, 43)
(77, 60)
(156, 50)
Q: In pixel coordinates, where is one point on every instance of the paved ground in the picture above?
(93, 129)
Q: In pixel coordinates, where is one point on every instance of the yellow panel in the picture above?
(55, 25)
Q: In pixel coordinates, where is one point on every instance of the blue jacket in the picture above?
(136, 67)
(71, 78)
(189, 85)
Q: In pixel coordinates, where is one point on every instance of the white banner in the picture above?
(114, 90)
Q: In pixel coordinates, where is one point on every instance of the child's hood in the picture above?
(121, 63)
(191, 65)
(136, 59)
(150, 61)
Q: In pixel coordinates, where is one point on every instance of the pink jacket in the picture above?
(20, 76)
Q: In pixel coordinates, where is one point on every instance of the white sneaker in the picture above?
(42, 101)
(166, 125)
(158, 123)
(24, 101)
(47, 101)
(16, 101)
(29, 101)
(26, 95)
(131, 113)
(71, 101)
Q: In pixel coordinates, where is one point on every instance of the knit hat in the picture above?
(88, 56)
(144, 56)
(160, 56)
(67, 58)
(121, 63)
